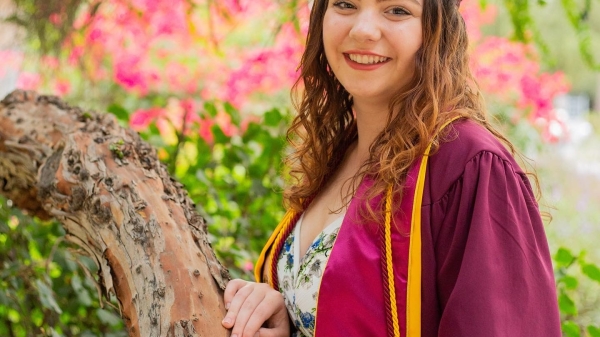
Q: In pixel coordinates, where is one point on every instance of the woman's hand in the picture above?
(255, 309)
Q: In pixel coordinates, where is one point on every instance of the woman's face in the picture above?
(371, 45)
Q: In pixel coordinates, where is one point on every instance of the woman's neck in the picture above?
(371, 119)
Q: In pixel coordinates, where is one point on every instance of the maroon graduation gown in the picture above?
(485, 265)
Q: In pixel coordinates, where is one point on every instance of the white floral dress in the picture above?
(299, 279)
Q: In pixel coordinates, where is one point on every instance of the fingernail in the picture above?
(227, 305)
(227, 320)
(234, 335)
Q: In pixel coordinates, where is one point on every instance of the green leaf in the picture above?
(47, 296)
(592, 271)
(570, 282)
(54, 333)
(236, 119)
(564, 257)
(108, 317)
(594, 331)
(119, 111)
(210, 108)
(82, 294)
(253, 131)
(220, 137)
(153, 129)
(204, 154)
(570, 329)
(273, 117)
(566, 304)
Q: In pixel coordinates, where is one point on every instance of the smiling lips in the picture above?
(365, 61)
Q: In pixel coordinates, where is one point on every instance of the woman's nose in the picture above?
(366, 27)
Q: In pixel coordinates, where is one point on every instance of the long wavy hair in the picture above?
(442, 87)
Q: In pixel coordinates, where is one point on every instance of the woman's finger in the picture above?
(232, 288)
(263, 311)
(266, 332)
(235, 304)
(246, 312)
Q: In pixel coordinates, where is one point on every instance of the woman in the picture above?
(407, 215)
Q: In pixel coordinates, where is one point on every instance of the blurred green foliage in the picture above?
(48, 35)
(45, 289)
(567, 281)
(235, 181)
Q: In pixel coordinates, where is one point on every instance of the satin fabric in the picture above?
(351, 295)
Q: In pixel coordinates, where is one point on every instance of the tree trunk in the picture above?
(118, 203)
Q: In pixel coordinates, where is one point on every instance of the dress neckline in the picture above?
(300, 259)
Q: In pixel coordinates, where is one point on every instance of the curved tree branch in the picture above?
(118, 203)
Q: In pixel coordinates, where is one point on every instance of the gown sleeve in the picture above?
(494, 271)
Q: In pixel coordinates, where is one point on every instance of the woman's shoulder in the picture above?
(466, 139)
(460, 149)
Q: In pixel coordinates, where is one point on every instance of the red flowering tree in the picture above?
(207, 83)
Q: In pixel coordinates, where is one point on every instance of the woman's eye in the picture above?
(343, 5)
(398, 11)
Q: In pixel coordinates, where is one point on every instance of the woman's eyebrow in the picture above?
(415, 1)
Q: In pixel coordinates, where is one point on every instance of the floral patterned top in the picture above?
(299, 279)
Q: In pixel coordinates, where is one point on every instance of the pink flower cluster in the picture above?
(510, 72)
(180, 46)
(475, 17)
(226, 50)
(265, 70)
(184, 115)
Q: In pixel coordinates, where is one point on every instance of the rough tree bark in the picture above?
(118, 203)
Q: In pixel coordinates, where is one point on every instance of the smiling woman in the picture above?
(371, 47)
(407, 213)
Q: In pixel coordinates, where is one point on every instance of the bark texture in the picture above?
(118, 203)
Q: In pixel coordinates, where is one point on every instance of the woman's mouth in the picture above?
(367, 59)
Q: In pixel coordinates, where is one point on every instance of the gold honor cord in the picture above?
(260, 263)
(413, 296)
(389, 261)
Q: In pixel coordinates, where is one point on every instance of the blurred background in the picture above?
(207, 83)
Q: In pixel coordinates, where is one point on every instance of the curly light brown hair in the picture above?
(441, 89)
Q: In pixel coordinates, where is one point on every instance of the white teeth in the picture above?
(367, 59)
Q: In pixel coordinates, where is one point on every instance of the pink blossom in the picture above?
(29, 81)
(248, 266)
(56, 19)
(132, 74)
(178, 110)
(553, 128)
(62, 87)
(75, 55)
(50, 62)
(223, 119)
(205, 130)
(141, 119)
